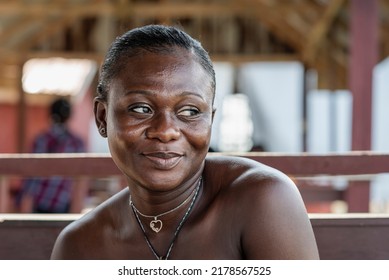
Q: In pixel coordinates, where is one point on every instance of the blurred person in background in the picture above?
(55, 194)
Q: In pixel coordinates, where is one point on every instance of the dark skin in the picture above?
(158, 119)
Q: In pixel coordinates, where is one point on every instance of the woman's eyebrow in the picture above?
(138, 91)
(187, 93)
(146, 92)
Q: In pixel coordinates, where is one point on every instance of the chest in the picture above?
(187, 246)
(212, 231)
(208, 236)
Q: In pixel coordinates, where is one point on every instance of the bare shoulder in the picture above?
(248, 174)
(80, 239)
(272, 216)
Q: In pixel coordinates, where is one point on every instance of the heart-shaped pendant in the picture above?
(156, 225)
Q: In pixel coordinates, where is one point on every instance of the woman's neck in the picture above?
(155, 203)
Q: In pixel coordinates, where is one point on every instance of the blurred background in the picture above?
(292, 76)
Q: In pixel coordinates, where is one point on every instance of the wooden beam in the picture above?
(32, 27)
(247, 58)
(50, 27)
(11, 56)
(275, 17)
(353, 163)
(16, 28)
(320, 30)
(9, 82)
(261, 10)
(151, 10)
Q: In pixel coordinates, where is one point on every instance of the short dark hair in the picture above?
(60, 110)
(152, 38)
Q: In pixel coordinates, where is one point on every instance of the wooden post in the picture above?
(4, 194)
(21, 110)
(363, 58)
(304, 117)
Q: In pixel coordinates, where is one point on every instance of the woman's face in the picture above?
(158, 117)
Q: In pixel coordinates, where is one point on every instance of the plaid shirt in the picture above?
(53, 195)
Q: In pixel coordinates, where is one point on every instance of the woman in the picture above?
(155, 106)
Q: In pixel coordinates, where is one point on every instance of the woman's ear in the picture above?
(213, 113)
(100, 111)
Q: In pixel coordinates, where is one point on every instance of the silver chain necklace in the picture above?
(156, 224)
(177, 231)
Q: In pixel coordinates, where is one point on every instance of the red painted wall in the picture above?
(37, 120)
(8, 128)
(81, 117)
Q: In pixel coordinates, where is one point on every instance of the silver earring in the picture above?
(102, 131)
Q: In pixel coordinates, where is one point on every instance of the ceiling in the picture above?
(315, 32)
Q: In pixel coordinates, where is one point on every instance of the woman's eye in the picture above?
(189, 112)
(141, 109)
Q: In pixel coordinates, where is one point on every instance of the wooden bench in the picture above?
(339, 237)
(352, 236)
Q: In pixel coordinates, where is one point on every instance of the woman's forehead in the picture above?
(174, 70)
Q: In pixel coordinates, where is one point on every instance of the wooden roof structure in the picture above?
(316, 32)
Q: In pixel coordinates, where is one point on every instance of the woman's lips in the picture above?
(164, 160)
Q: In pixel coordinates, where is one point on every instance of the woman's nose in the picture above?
(164, 128)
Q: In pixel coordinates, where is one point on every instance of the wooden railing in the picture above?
(297, 166)
(301, 164)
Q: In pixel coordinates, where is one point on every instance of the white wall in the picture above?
(224, 87)
(275, 91)
(380, 130)
(329, 121)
